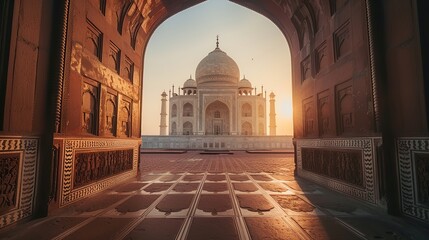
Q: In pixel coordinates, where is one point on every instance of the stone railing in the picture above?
(217, 142)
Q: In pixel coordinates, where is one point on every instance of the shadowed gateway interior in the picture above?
(71, 95)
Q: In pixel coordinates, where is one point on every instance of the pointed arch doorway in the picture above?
(217, 119)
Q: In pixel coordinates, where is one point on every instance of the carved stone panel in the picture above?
(114, 59)
(94, 166)
(9, 175)
(345, 108)
(345, 165)
(111, 115)
(413, 166)
(323, 110)
(94, 40)
(342, 41)
(125, 119)
(305, 69)
(89, 119)
(127, 71)
(308, 117)
(340, 164)
(18, 166)
(321, 56)
(422, 178)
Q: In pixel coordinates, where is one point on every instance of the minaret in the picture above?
(163, 122)
(272, 115)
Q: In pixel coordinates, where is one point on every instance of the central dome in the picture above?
(217, 69)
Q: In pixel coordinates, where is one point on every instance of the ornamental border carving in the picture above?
(226, 99)
(29, 151)
(406, 149)
(69, 195)
(368, 147)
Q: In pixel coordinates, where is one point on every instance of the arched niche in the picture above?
(174, 110)
(188, 128)
(246, 110)
(246, 129)
(188, 110)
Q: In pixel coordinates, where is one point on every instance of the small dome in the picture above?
(190, 83)
(244, 83)
(217, 69)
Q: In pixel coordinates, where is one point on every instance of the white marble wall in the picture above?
(217, 142)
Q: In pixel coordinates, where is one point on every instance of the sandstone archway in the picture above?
(336, 58)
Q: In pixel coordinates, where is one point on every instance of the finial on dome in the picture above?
(244, 76)
(217, 41)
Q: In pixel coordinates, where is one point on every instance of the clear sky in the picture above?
(182, 41)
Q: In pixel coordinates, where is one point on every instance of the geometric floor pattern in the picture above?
(217, 196)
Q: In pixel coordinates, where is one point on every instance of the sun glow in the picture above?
(285, 109)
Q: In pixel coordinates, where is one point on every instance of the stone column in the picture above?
(272, 115)
(163, 122)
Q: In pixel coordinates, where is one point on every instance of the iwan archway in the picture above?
(339, 68)
(217, 119)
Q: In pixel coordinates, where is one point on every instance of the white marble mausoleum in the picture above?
(217, 102)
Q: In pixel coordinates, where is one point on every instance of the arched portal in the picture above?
(217, 119)
(332, 47)
(329, 51)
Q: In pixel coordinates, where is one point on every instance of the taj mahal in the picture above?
(217, 102)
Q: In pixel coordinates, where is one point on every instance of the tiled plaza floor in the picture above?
(226, 196)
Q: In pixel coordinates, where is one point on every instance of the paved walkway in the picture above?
(225, 196)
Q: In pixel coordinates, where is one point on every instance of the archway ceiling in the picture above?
(289, 15)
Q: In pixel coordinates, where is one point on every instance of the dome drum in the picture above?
(217, 80)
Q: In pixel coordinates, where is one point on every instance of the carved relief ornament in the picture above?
(224, 99)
